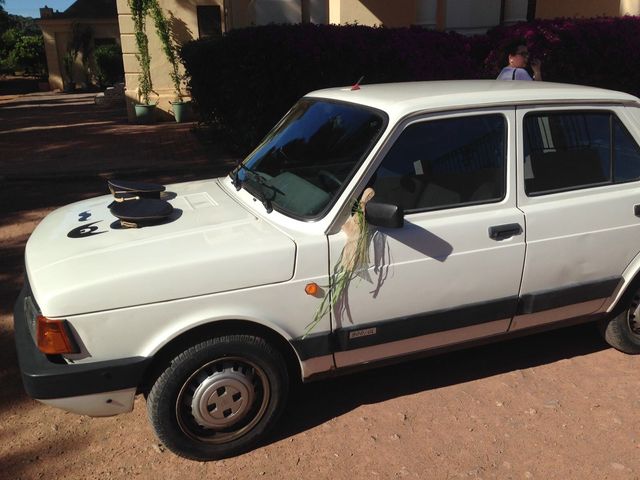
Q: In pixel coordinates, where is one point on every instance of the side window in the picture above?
(445, 163)
(626, 154)
(564, 151)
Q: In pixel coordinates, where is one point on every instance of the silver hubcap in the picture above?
(222, 400)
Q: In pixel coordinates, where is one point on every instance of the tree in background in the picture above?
(28, 55)
(21, 44)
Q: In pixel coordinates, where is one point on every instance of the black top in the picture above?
(143, 210)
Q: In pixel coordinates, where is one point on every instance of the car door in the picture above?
(578, 187)
(452, 272)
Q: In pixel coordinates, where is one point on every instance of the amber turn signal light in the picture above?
(311, 288)
(53, 336)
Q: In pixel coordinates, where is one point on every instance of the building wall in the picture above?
(182, 16)
(464, 16)
(515, 11)
(319, 11)
(57, 35)
(472, 17)
(398, 13)
(426, 13)
(630, 7)
(277, 11)
(241, 13)
(245, 13)
(586, 8)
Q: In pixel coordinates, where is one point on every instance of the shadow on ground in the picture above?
(12, 391)
(23, 461)
(13, 85)
(313, 404)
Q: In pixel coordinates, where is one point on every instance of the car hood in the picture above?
(80, 260)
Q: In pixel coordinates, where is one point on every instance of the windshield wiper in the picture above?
(235, 180)
(260, 181)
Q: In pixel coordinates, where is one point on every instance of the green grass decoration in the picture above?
(354, 257)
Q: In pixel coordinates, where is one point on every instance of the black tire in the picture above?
(219, 398)
(622, 331)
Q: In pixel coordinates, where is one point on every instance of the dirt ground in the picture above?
(559, 405)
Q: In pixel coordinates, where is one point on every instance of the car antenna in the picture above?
(356, 86)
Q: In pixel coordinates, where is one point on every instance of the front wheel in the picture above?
(218, 398)
(623, 331)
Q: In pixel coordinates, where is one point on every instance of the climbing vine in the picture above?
(139, 11)
(164, 34)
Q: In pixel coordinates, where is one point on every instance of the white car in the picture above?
(500, 208)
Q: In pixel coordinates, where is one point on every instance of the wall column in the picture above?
(334, 11)
(129, 49)
(629, 7)
(53, 60)
(441, 15)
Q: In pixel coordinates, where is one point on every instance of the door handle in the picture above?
(500, 232)
(636, 210)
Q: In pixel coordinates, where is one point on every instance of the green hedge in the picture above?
(246, 80)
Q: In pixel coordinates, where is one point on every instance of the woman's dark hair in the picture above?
(511, 48)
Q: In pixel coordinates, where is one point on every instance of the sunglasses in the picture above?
(524, 54)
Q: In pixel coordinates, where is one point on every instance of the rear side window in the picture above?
(568, 151)
(445, 163)
(626, 155)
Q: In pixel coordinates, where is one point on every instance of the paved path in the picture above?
(44, 135)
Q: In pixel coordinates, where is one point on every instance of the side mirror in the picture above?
(384, 215)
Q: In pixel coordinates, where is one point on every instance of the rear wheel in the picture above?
(623, 331)
(218, 398)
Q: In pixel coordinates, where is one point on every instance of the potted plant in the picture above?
(145, 111)
(179, 106)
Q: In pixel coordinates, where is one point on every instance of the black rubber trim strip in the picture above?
(441, 321)
(453, 347)
(315, 345)
(44, 379)
(548, 299)
(350, 338)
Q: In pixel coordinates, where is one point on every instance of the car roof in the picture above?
(400, 99)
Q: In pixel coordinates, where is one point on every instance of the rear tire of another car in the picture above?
(622, 331)
(219, 398)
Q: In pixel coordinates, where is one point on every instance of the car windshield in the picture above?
(303, 164)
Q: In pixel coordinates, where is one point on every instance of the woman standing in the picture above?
(517, 57)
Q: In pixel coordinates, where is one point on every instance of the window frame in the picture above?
(628, 132)
(200, 20)
(577, 110)
(450, 115)
(352, 174)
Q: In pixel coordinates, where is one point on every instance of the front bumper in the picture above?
(46, 379)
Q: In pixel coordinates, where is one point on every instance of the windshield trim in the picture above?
(320, 215)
